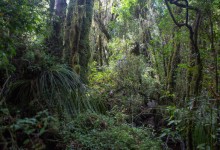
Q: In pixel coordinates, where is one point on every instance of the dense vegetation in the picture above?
(109, 74)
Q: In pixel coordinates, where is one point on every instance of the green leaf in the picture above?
(163, 135)
(201, 146)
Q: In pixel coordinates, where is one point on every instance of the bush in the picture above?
(28, 133)
(42, 82)
(200, 122)
(93, 131)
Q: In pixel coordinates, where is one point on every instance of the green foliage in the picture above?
(130, 71)
(18, 20)
(133, 74)
(100, 80)
(49, 84)
(126, 7)
(203, 129)
(38, 123)
(117, 48)
(126, 23)
(4, 63)
(36, 81)
(101, 84)
(93, 131)
(18, 133)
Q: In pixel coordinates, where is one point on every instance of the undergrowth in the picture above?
(94, 131)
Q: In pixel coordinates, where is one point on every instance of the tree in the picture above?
(78, 23)
(57, 19)
(195, 64)
(18, 21)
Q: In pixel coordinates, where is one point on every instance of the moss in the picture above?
(84, 53)
(77, 69)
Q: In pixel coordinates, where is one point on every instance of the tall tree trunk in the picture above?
(175, 60)
(72, 34)
(78, 23)
(100, 51)
(84, 53)
(57, 16)
(100, 36)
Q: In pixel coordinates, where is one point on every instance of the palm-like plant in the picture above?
(54, 87)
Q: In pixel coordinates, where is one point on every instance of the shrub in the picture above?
(28, 133)
(93, 131)
(48, 85)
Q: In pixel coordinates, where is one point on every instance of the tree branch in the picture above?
(102, 26)
(172, 16)
(176, 2)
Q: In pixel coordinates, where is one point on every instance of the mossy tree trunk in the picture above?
(100, 37)
(100, 51)
(173, 65)
(72, 34)
(57, 16)
(84, 53)
(173, 62)
(77, 50)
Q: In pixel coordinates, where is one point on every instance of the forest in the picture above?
(109, 74)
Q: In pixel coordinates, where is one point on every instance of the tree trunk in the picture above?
(100, 51)
(78, 23)
(100, 37)
(72, 34)
(55, 41)
(84, 53)
(175, 60)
